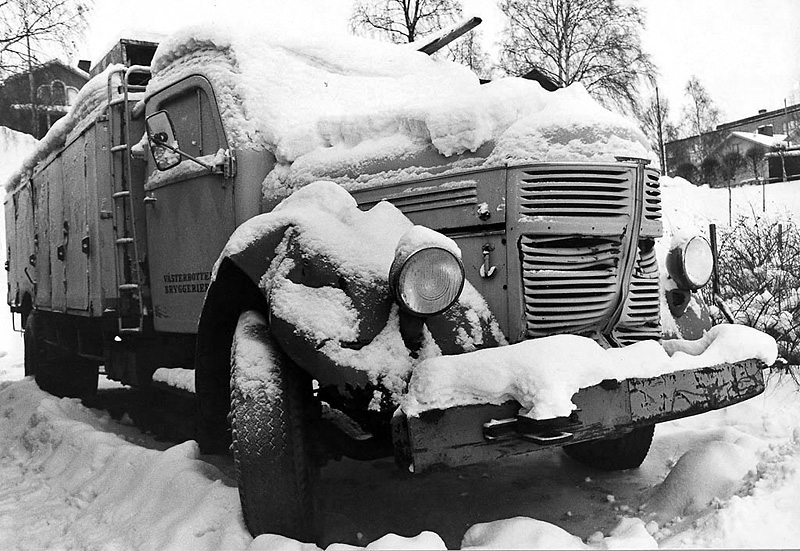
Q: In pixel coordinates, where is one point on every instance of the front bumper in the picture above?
(473, 434)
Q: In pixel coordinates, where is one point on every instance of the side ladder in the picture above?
(131, 276)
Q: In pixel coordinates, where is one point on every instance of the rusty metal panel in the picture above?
(685, 393)
(75, 229)
(20, 230)
(54, 221)
(465, 200)
(456, 436)
(484, 257)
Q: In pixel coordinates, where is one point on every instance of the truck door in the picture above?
(189, 211)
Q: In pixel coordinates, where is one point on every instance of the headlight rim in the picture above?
(402, 261)
(678, 268)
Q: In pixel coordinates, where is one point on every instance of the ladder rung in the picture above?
(121, 194)
(122, 147)
(125, 241)
(129, 287)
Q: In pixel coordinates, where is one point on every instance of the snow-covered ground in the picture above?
(74, 478)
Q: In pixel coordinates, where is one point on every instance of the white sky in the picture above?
(744, 52)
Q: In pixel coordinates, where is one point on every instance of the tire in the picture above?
(614, 454)
(33, 345)
(63, 376)
(271, 405)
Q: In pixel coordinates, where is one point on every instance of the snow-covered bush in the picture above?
(759, 276)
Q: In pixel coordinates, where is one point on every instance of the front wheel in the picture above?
(271, 406)
(614, 454)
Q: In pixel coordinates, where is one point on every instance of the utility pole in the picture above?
(31, 83)
(662, 154)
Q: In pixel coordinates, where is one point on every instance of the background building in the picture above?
(766, 143)
(32, 102)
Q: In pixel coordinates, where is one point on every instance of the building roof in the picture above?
(760, 139)
(81, 74)
(760, 116)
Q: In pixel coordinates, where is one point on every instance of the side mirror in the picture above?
(161, 137)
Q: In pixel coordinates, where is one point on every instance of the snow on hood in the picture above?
(544, 374)
(321, 103)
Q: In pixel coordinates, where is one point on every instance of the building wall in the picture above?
(684, 153)
(55, 86)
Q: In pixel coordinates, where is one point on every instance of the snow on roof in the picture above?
(318, 103)
(761, 139)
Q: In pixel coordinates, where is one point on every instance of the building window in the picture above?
(58, 93)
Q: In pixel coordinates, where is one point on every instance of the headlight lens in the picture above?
(427, 281)
(698, 262)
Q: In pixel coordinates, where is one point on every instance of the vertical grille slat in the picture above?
(652, 195)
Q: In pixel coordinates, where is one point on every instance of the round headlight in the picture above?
(428, 281)
(698, 262)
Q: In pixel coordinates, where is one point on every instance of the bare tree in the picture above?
(467, 50)
(654, 119)
(756, 155)
(31, 31)
(594, 42)
(700, 116)
(403, 20)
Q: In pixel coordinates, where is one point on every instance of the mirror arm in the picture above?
(182, 154)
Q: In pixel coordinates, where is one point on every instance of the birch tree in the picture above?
(33, 31)
(594, 42)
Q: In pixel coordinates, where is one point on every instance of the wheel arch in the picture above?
(231, 292)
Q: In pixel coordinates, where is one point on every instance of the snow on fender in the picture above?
(324, 265)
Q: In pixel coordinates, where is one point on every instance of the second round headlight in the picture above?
(428, 281)
(698, 262)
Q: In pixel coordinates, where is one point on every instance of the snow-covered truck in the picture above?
(347, 248)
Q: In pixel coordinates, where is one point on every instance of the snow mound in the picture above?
(519, 533)
(118, 495)
(14, 148)
(712, 471)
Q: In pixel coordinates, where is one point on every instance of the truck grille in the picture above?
(603, 192)
(569, 282)
(573, 225)
(570, 285)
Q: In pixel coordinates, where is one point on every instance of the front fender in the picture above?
(319, 267)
